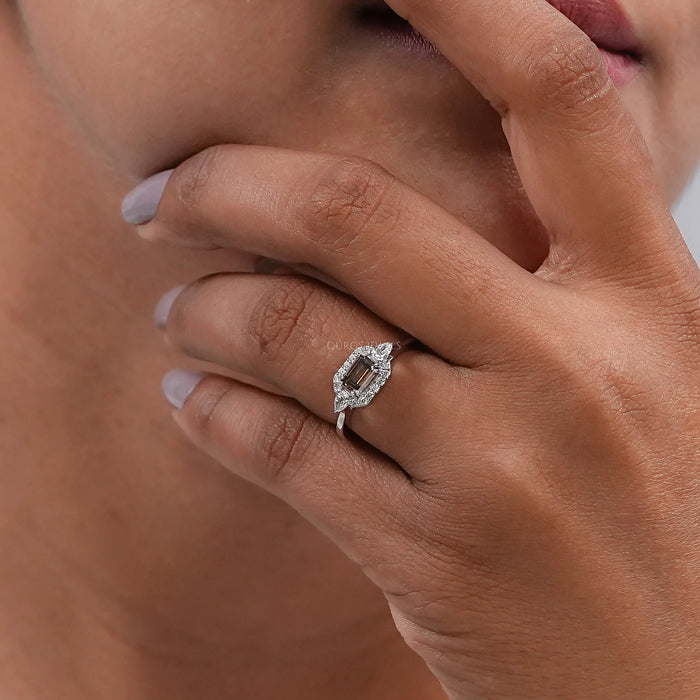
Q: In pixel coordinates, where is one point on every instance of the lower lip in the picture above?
(621, 68)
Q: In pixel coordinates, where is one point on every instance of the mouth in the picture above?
(602, 20)
(609, 28)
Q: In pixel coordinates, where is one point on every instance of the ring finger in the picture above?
(294, 333)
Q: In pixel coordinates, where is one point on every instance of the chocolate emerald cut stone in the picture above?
(360, 375)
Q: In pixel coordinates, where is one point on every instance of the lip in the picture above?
(604, 22)
(611, 30)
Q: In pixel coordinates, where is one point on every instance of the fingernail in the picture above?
(141, 204)
(178, 384)
(165, 303)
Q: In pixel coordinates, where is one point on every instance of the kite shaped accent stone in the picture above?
(361, 376)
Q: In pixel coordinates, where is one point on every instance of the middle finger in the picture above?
(398, 252)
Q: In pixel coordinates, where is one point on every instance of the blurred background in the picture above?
(687, 213)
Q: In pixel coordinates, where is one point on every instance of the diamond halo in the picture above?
(361, 376)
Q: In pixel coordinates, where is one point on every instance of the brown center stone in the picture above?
(360, 375)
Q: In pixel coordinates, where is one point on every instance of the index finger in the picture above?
(581, 158)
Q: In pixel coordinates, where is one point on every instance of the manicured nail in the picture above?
(165, 303)
(178, 384)
(141, 204)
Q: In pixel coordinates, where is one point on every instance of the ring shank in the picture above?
(401, 345)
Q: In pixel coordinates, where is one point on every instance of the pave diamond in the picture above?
(361, 376)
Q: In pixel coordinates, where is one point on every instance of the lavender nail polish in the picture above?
(178, 384)
(141, 204)
(165, 303)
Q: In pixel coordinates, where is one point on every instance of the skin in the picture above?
(139, 567)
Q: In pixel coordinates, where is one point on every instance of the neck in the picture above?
(130, 562)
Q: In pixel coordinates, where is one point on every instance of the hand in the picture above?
(525, 487)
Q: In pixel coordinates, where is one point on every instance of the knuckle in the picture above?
(286, 442)
(192, 177)
(570, 74)
(280, 323)
(206, 407)
(505, 486)
(598, 387)
(350, 197)
(188, 312)
(622, 402)
(178, 317)
(585, 374)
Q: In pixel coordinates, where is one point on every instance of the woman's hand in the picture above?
(527, 494)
